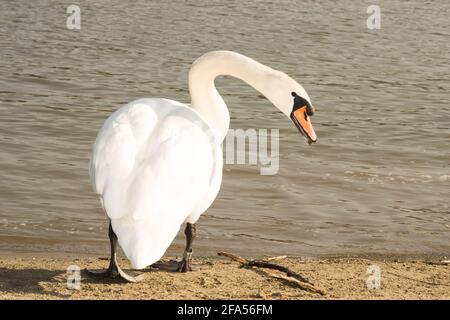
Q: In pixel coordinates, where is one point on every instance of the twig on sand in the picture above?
(263, 264)
(303, 285)
(276, 258)
(233, 257)
(440, 263)
(291, 276)
(417, 280)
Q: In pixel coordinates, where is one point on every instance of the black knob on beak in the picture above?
(300, 102)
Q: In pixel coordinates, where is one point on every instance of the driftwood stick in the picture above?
(268, 265)
(303, 285)
(233, 257)
(264, 264)
(440, 263)
(276, 258)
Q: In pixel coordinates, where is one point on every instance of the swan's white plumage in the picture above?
(156, 164)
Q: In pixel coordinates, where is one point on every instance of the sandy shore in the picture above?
(342, 278)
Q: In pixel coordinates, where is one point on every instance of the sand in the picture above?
(341, 277)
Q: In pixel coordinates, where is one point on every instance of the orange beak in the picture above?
(303, 123)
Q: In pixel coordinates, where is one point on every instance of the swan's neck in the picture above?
(205, 98)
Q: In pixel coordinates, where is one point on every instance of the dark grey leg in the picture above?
(114, 270)
(190, 232)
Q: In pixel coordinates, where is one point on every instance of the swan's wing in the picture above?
(116, 149)
(150, 187)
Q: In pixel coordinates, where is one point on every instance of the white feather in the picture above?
(156, 164)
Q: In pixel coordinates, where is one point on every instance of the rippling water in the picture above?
(377, 181)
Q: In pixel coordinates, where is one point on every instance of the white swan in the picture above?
(157, 163)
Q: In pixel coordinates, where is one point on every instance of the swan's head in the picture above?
(290, 97)
(301, 112)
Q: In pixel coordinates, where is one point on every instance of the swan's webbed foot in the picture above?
(177, 266)
(185, 264)
(113, 272)
(108, 273)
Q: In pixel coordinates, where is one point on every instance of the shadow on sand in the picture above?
(30, 281)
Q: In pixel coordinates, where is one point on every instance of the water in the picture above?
(377, 181)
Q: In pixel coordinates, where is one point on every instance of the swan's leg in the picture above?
(190, 232)
(114, 270)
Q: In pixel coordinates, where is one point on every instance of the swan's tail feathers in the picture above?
(142, 241)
